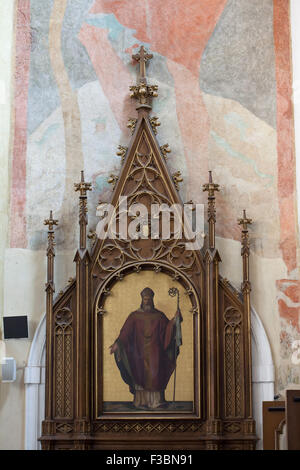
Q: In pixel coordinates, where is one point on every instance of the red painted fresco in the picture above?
(187, 28)
(115, 84)
(18, 236)
(291, 288)
(285, 133)
(286, 163)
(290, 314)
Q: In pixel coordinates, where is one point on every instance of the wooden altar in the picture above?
(221, 414)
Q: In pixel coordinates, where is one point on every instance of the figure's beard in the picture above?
(147, 308)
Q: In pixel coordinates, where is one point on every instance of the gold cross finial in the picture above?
(50, 222)
(142, 57)
(245, 221)
(211, 187)
(142, 91)
(83, 187)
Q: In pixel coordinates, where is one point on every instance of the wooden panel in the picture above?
(293, 419)
(273, 415)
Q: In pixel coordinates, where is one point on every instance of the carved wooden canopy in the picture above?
(222, 412)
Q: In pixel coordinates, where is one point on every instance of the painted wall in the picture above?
(225, 87)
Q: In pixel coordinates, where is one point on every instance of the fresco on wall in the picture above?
(224, 76)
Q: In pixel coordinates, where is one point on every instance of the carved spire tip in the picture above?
(51, 222)
(211, 187)
(245, 221)
(142, 91)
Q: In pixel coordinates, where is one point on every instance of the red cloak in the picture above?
(147, 350)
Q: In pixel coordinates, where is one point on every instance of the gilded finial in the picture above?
(142, 91)
(245, 251)
(245, 221)
(142, 58)
(211, 187)
(50, 222)
(51, 243)
(83, 187)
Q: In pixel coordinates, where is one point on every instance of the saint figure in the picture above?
(146, 352)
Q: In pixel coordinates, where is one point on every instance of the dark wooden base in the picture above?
(153, 435)
(177, 443)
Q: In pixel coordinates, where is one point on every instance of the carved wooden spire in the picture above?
(246, 289)
(212, 260)
(50, 289)
(83, 187)
(211, 188)
(245, 251)
(142, 91)
(50, 250)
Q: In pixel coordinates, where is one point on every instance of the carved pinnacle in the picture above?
(50, 222)
(211, 187)
(245, 221)
(83, 187)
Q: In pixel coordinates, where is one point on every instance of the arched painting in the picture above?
(147, 346)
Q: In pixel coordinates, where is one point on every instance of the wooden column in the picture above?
(246, 289)
(212, 259)
(82, 260)
(50, 289)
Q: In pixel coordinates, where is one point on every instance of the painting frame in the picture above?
(198, 355)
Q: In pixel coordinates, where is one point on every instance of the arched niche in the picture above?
(119, 297)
